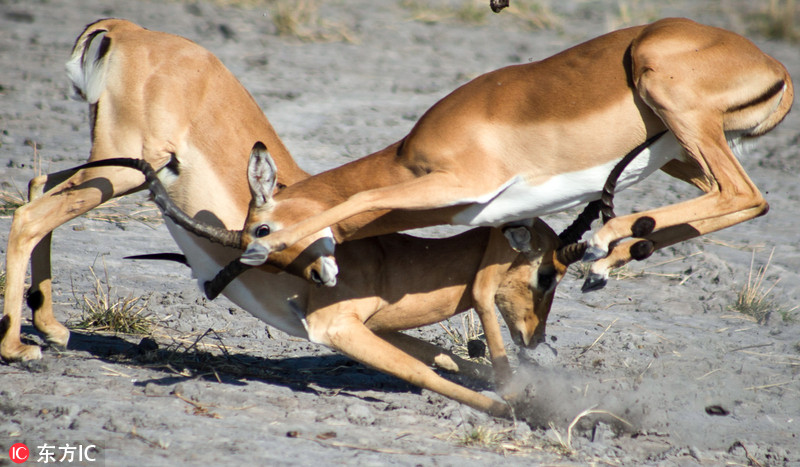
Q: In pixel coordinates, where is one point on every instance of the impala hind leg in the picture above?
(344, 332)
(641, 248)
(754, 95)
(29, 239)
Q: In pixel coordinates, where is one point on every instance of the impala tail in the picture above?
(86, 68)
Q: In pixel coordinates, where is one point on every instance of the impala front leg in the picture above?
(343, 331)
(495, 263)
(435, 190)
(30, 229)
(435, 356)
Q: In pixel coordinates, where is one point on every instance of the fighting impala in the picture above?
(534, 139)
(381, 291)
(142, 105)
(186, 133)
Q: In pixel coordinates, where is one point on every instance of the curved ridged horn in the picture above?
(229, 238)
(224, 277)
(572, 251)
(582, 223)
(607, 197)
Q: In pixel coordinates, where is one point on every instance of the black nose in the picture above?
(315, 277)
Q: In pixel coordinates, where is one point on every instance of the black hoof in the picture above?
(593, 253)
(210, 290)
(593, 282)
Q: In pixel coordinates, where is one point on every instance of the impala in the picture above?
(142, 105)
(534, 139)
(382, 291)
(197, 149)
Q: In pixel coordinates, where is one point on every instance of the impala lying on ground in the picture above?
(396, 282)
(187, 133)
(534, 139)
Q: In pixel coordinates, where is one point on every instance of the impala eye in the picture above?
(262, 231)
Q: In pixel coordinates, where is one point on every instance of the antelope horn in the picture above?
(582, 223)
(571, 253)
(175, 257)
(229, 238)
(224, 277)
(607, 197)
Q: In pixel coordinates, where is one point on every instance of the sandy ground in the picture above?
(659, 346)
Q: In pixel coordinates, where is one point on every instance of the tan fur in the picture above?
(392, 283)
(581, 108)
(183, 119)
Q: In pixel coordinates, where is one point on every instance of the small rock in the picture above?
(601, 433)
(117, 425)
(153, 389)
(360, 414)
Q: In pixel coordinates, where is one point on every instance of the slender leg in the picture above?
(436, 190)
(433, 355)
(495, 263)
(33, 222)
(640, 248)
(344, 332)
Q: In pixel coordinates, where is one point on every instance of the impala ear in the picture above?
(262, 174)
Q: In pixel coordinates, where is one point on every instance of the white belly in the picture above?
(519, 200)
(276, 299)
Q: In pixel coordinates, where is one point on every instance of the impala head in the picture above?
(525, 295)
(267, 215)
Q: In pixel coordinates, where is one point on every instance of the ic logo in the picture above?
(18, 453)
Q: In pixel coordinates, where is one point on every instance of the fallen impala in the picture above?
(534, 139)
(188, 135)
(396, 282)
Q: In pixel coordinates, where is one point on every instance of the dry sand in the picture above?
(658, 346)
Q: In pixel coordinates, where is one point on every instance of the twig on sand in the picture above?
(567, 445)
(750, 458)
(199, 409)
(737, 349)
(767, 386)
(599, 337)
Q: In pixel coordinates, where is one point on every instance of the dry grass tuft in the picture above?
(460, 336)
(534, 14)
(113, 212)
(754, 298)
(3, 283)
(633, 13)
(102, 310)
(466, 12)
(301, 19)
(484, 437)
(777, 20)
(9, 202)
